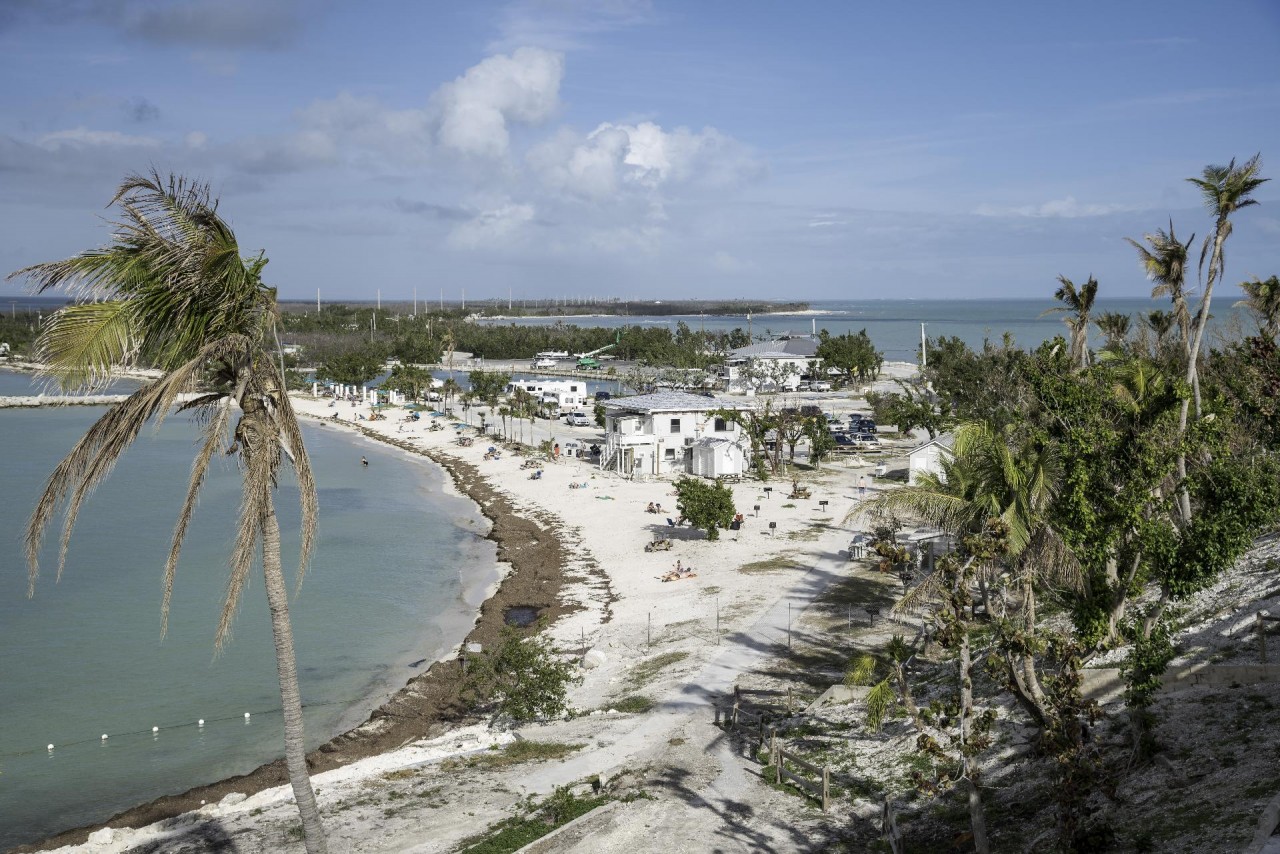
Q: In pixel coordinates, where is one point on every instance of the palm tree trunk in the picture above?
(295, 756)
(977, 816)
(1193, 372)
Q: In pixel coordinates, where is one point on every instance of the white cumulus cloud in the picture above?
(474, 111)
(617, 156)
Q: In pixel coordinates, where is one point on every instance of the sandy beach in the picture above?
(575, 555)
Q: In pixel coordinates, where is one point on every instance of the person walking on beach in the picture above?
(862, 486)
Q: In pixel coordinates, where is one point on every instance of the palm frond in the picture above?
(286, 420)
(915, 598)
(255, 503)
(81, 345)
(214, 433)
(94, 456)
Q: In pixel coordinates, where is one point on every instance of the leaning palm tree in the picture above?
(1079, 302)
(1262, 298)
(1166, 265)
(173, 291)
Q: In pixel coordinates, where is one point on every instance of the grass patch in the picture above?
(400, 774)
(781, 563)
(531, 823)
(634, 704)
(515, 753)
(646, 671)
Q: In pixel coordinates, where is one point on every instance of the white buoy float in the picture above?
(155, 729)
(51, 747)
(200, 722)
(104, 736)
(246, 716)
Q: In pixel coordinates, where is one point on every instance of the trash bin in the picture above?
(881, 469)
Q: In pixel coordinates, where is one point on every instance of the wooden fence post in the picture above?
(826, 787)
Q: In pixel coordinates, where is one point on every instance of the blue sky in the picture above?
(836, 150)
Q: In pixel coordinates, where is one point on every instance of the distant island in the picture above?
(574, 308)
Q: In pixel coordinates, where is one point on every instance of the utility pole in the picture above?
(442, 299)
(317, 300)
(464, 299)
(924, 353)
(508, 299)
(379, 292)
(415, 302)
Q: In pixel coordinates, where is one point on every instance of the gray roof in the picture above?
(670, 401)
(790, 348)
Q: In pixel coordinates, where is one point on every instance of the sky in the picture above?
(648, 149)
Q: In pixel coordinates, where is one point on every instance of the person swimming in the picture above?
(364, 462)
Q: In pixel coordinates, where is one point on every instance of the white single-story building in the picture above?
(928, 457)
(658, 433)
(769, 365)
(565, 394)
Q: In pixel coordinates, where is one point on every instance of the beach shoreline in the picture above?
(430, 703)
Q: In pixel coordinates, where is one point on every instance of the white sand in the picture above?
(627, 613)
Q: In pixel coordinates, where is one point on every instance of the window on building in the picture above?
(671, 455)
(722, 426)
(675, 425)
(573, 388)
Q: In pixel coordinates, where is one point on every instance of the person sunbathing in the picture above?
(650, 508)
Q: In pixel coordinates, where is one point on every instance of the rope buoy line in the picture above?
(156, 730)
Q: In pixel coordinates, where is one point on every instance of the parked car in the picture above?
(578, 419)
(865, 440)
(820, 385)
(545, 363)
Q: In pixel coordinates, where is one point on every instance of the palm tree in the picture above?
(1161, 324)
(173, 291)
(1262, 298)
(1166, 266)
(1079, 302)
(1225, 190)
(993, 478)
(448, 344)
(1115, 326)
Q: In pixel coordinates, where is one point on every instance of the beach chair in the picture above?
(671, 522)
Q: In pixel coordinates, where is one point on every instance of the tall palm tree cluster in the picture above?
(172, 291)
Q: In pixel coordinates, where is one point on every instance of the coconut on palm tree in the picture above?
(172, 291)
(1262, 298)
(1079, 303)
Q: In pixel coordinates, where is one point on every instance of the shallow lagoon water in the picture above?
(399, 570)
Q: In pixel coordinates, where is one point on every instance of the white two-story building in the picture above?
(568, 395)
(672, 432)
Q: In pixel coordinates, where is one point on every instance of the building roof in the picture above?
(789, 348)
(670, 401)
(943, 440)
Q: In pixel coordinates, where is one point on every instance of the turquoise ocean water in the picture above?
(894, 325)
(399, 572)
